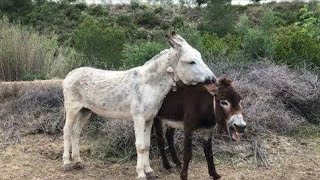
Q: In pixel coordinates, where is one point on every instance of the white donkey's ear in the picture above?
(175, 40)
(170, 69)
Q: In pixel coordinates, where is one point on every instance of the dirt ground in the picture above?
(39, 157)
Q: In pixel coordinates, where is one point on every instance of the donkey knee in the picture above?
(141, 148)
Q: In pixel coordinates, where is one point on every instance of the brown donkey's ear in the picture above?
(211, 88)
(224, 81)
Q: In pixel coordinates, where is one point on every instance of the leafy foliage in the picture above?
(219, 17)
(16, 10)
(60, 18)
(126, 36)
(138, 54)
(102, 45)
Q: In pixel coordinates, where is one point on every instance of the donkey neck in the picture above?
(155, 70)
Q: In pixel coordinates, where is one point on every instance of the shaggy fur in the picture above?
(193, 108)
(133, 94)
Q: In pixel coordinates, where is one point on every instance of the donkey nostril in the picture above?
(214, 79)
(208, 81)
(240, 128)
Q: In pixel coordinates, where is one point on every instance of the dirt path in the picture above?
(39, 157)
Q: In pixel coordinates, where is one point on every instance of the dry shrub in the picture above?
(276, 100)
(31, 107)
(270, 92)
(116, 140)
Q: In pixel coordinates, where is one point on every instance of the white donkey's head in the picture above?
(187, 64)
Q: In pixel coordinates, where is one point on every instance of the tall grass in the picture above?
(25, 54)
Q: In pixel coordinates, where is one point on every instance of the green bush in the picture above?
(219, 18)
(309, 21)
(270, 20)
(295, 46)
(124, 21)
(243, 25)
(158, 10)
(177, 22)
(137, 54)
(191, 35)
(299, 42)
(148, 19)
(259, 44)
(214, 44)
(16, 10)
(25, 55)
(227, 48)
(98, 10)
(134, 4)
(102, 45)
(60, 18)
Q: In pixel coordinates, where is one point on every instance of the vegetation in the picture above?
(25, 55)
(266, 48)
(113, 37)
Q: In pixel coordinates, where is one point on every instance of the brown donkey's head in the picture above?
(227, 108)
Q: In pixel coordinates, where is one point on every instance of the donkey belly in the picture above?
(111, 112)
(172, 123)
(177, 124)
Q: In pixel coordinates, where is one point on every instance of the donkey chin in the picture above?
(236, 127)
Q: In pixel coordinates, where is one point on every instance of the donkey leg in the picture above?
(147, 135)
(173, 152)
(139, 128)
(67, 133)
(82, 117)
(207, 147)
(158, 128)
(187, 154)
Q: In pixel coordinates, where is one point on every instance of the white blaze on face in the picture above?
(234, 122)
(238, 120)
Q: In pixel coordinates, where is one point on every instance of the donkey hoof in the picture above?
(216, 177)
(67, 167)
(183, 176)
(142, 178)
(79, 165)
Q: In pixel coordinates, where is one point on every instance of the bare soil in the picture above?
(39, 157)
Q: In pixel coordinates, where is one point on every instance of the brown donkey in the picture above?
(193, 108)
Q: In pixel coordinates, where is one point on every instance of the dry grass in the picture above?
(276, 100)
(40, 157)
(27, 55)
(30, 107)
(24, 54)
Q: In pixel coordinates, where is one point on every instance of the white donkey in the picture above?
(133, 94)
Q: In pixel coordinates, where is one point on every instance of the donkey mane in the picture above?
(156, 57)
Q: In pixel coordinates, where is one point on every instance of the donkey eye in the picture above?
(224, 103)
(191, 62)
